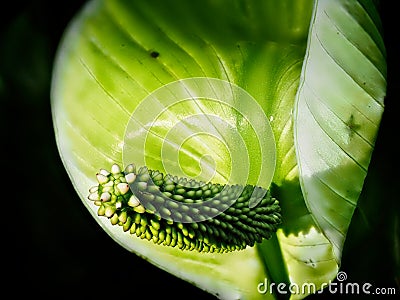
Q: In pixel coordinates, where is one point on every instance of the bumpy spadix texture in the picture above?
(185, 213)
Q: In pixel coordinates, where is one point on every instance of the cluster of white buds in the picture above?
(184, 213)
(112, 189)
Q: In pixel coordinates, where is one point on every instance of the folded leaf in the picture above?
(339, 107)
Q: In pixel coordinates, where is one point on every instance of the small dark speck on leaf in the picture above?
(154, 54)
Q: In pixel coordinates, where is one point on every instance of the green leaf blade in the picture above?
(338, 112)
(103, 70)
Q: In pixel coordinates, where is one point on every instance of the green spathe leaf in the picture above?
(315, 68)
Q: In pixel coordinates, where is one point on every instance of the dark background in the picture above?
(53, 247)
